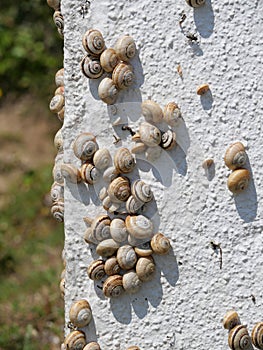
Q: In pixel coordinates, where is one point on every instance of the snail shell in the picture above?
(62, 285)
(134, 347)
(93, 42)
(103, 193)
(85, 146)
(145, 268)
(202, 89)
(110, 174)
(131, 282)
(119, 189)
(57, 192)
(108, 205)
(80, 313)
(61, 114)
(125, 48)
(123, 75)
(57, 103)
(101, 227)
(238, 338)
(172, 114)
(195, 3)
(89, 173)
(57, 210)
(150, 135)
(60, 91)
(59, 21)
(55, 4)
(102, 159)
(113, 287)
(207, 163)
(235, 156)
(107, 248)
(70, 173)
(151, 111)
(88, 236)
(126, 257)
(160, 244)
(231, 319)
(135, 242)
(109, 60)
(59, 77)
(75, 340)
(141, 191)
(124, 161)
(238, 181)
(168, 140)
(144, 249)
(153, 153)
(96, 270)
(112, 267)
(108, 91)
(58, 141)
(92, 346)
(118, 230)
(91, 68)
(133, 205)
(138, 148)
(257, 335)
(139, 226)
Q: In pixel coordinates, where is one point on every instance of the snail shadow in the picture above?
(195, 46)
(80, 192)
(210, 171)
(90, 331)
(207, 100)
(204, 19)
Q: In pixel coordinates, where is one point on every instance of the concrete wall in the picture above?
(182, 307)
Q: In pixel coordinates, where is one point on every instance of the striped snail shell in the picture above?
(111, 266)
(141, 191)
(150, 135)
(172, 114)
(107, 248)
(109, 205)
(75, 340)
(123, 75)
(59, 21)
(93, 42)
(108, 91)
(151, 111)
(153, 153)
(257, 335)
(231, 319)
(88, 236)
(58, 141)
(57, 191)
(100, 226)
(89, 173)
(239, 339)
(195, 3)
(125, 48)
(168, 140)
(126, 257)
(91, 68)
(124, 161)
(109, 60)
(85, 146)
(110, 174)
(133, 205)
(119, 189)
(57, 103)
(59, 77)
(144, 249)
(92, 346)
(57, 210)
(160, 244)
(139, 226)
(235, 156)
(238, 180)
(131, 282)
(145, 268)
(113, 287)
(96, 270)
(55, 4)
(80, 313)
(102, 158)
(70, 173)
(118, 230)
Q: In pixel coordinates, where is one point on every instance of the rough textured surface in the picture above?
(183, 306)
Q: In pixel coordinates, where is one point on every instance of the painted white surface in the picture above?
(183, 306)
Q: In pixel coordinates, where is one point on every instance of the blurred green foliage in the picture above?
(30, 47)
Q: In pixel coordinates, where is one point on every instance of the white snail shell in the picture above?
(108, 91)
(195, 3)
(91, 68)
(136, 242)
(59, 21)
(172, 114)
(102, 159)
(124, 161)
(133, 205)
(141, 191)
(57, 191)
(62, 285)
(126, 257)
(239, 339)
(101, 227)
(89, 173)
(138, 148)
(93, 42)
(107, 248)
(150, 135)
(60, 90)
(96, 270)
(235, 156)
(109, 60)
(153, 153)
(70, 173)
(92, 346)
(238, 180)
(168, 140)
(58, 141)
(85, 146)
(59, 77)
(113, 287)
(75, 340)
(57, 210)
(151, 111)
(119, 189)
(109, 205)
(160, 244)
(144, 249)
(57, 103)
(111, 266)
(131, 282)
(110, 174)
(118, 230)
(61, 114)
(123, 75)
(231, 319)
(80, 313)
(145, 268)
(125, 48)
(257, 335)
(139, 226)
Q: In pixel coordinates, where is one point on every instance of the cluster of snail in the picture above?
(235, 159)
(57, 17)
(114, 62)
(57, 103)
(238, 336)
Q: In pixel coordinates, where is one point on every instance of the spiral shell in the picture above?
(111, 266)
(160, 244)
(62, 285)
(125, 48)
(96, 270)
(57, 210)
(195, 3)
(257, 335)
(131, 282)
(123, 75)
(88, 236)
(58, 141)
(70, 173)
(150, 135)
(153, 153)
(168, 140)
(144, 249)
(59, 21)
(202, 89)
(59, 77)
(107, 248)
(110, 174)
(61, 114)
(134, 347)
(235, 156)
(75, 340)
(172, 114)
(91, 68)
(141, 191)
(124, 161)
(109, 205)
(100, 227)
(80, 313)
(231, 319)
(151, 111)
(89, 173)
(109, 60)
(119, 189)
(113, 287)
(85, 146)
(126, 257)
(108, 91)
(238, 338)
(238, 181)
(145, 268)
(118, 230)
(57, 191)
(92, 346)
(139, 226)
(56, 103)
(93, 42)
(138, 148)
(102, 159)
(55, 4)
(133, 205)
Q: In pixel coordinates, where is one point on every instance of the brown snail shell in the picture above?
(123, 75)
(145, 268)
(138, 148)
(141, 191)
(92, 346)
(89, 173)
(231, 319)
(118, 230)
(96, 270)
(133, 205)
(75, 340)
(57, 210)
(202, 89)
(150, 135)
(134, 347)
(93, 42)
(110, 174)
(195, 3)
(125, 48)
(124, 161)
(126, 257)
(119, 189)
(153, 153)
(85, 146)
(55, 4)
(62, 285)
(59, 21)
(239, 339)
(58, 141)
(144, 249)
(107, 248)
(100, 226)
(235, 156)
(80, 313)
(113, 287)
(207, 163)
(57, 191)
(160, 244)
(59, 77)
(57, 103)
(60, 91)
(139, 226)
(112, 267)
(168, 140)
(102, 158)
(238, 181)
(131, 282)
(151, 111)
(109, 60)
(71, 173)
(257, 335)
(91, 68)
(108, 91)
(172, 114)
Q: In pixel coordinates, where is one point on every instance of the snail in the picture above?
(56, 103)
(96, 270)
(57, 191)
(168, 140)
(59, 21)
(239, 339)
(85, 146)
(124, 161)
(119, 189)
(123, 75)
(238, 181)
(135, 242)
(109, 60)
(80, 313)
(145, 268)
(126, 257)
(92, 346)
(107, 248)
(100, 227)
(133, 347)
(89, 173)
(118, 230)
(150, 135)
(113, 287)
(109, 205)
(153, 153)
(61, 114)
(125, 48)
(91, 68)
(55, 4)
(62, 287)
(131, 282)
(231, 319)
(93, 42)
(75, 340)
(202, 89)
(172, 114)
(144, 249)
(160, 244)
(57, 210)
(88, 236)
(110, 174)
(60, 91)
(58, 141)
(59, 77)
(133, 205)
(139, 226)
(111, 266)
(102, 159)
(207, 163)
(138, 148)
(235, 156)
(108, 91)
(70, 173)
(257, 335)
(151, 111)
(141, 191)
(195, 3)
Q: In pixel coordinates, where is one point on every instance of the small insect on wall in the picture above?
(158, 174)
